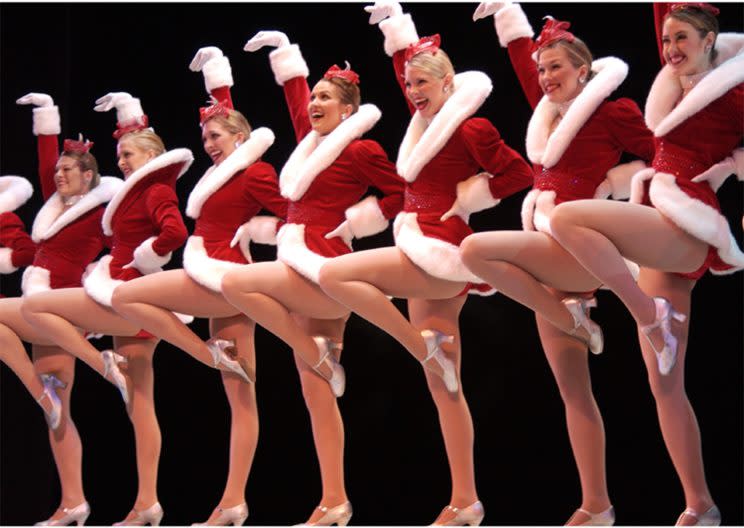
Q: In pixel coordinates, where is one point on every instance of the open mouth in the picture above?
(676, 60)
(420, 104)
(216, 155)
(550, 88)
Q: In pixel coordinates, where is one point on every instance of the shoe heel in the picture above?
(80, 521)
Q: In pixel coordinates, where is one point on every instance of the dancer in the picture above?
(443, 147)
(575, 138)
(68, 236)
(230, 193)
(325, 176)
(146, 226)
(696, 111)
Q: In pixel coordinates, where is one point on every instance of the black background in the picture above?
(395, 461)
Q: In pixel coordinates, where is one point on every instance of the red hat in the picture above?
(346, 74)
(77, 145)
(138, 123)
(695, 5)
(424, 45)
(216, 108)
(553, 31)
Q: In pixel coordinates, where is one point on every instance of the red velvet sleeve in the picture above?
(376, 170)
(222, 94)
(520, 53)
(13, 235)
(626, 124)
(297, 94)
(162, 206)
(510, 172)
(263, 186)
(399, 66)
(48, 148)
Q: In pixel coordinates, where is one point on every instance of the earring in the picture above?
(237, 144)
(446, 89)
(707, 49)
(343, 117)
(582, 80)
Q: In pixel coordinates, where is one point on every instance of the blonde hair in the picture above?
(577, 51)
(234, 123)
(85, 162)
(145, 139)
(437, 64)
(703, 21)
(348, 93)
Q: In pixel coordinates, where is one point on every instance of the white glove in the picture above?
(111, 100)
(36, 99)
(203, 56)
(275, 39)
(457, 209)
(383, 9)
(717, 174)
(344, 231)
(261, 229)
(473, 195)
(488, 8)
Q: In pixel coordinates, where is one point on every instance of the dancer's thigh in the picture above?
(10, 316)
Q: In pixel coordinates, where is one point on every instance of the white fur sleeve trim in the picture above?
(6, 262)
(217, 73)
(287, 63)
(399, 31)
(511, 23)
(738, 156)
(129, 110)
(46, 121)
(474, 194)
(366, 218)
(262, 229)
(617, 182)
(14, 192)
(146, 260)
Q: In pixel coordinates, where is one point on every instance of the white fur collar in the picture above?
(172, 157)
(217, 176)
(51, 218)
(545, 148)
(312, 155)
(661, 114)
(14, 192)
(422, 142)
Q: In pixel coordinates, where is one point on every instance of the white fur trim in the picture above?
(511, 24)
(617, 182)
(545, 148)
(366, 218)
(287, 63)
(35, 280)
(217, 73)
(14, 192)
(399, 31)
(662, 115)
(436, 257)
(98, 283)
(146, 260)
(422, 142)
(46, 121)
(474, 194)
(202, 268)
(293, 251)
(179, 155)
(637, 184)
(537, 207)
(129, 110)
(217, 176)
(695, 217)
(312, 155)
(52, 217)
(6, 260)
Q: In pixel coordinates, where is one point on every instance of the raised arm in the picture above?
(217, 73)
(290, 72)
(46, 129)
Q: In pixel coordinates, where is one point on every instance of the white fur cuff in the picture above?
(6, 262)
(617, 182)
(146, 260)
(511, 24)
(474, 194)
(399, 31)
(262, 229)
(217, 73)
(129, 110)
(287, 63)
(366, 218)
(46, 121)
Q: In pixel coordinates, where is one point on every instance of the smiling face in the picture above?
(326, 109)
(559, 78)
(70, 179)
(218, 142)
(684, 49)
(427, 92)
(131, 157)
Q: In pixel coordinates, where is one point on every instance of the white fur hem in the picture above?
(695, 217)
(399, 31)
(35, 280)
(98, 283)
(14, 192)
(366, 218)
(536, 210)
(511, 24)
(204, 269)
(6, 260)
(436, 257)
(293, 251)
(46, 121)
(217, 73)
(287, 63)
(146, 260)
(617, 182)
(474, 194)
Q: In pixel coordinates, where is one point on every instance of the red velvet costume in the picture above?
(325, 177)
(16, 247)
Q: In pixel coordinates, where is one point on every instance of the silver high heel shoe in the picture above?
(78, 515)
(579, 310)
(51, 383)
(235, 516)
(667, 357)
(337, 381)
(712, 517)
(434, 340)
(217, 347)
(111, 372)
(338, 515)
(470, 515)
(603, 518)
(151, 516)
